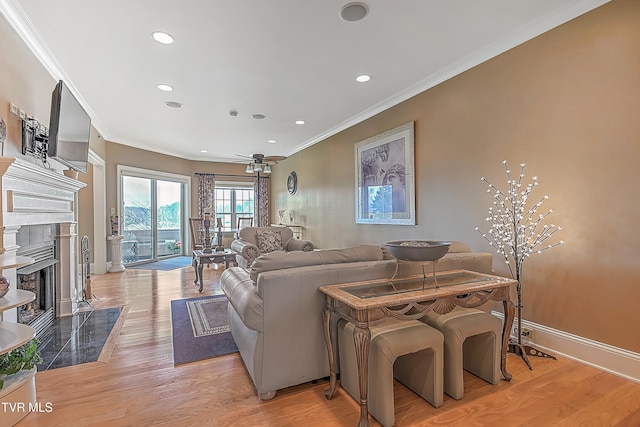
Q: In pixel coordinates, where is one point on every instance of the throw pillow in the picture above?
(269, 241)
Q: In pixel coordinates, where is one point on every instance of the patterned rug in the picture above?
(208, 316)
(200, 329)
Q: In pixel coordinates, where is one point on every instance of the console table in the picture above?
(369, 303)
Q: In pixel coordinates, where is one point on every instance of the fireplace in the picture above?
(39, 277)
(38, 220)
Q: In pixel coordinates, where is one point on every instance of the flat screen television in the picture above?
(69, 130)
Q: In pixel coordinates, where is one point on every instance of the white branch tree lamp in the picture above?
(516, 232)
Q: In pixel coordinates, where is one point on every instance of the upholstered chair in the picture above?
(252, 242)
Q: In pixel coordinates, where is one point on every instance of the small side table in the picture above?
(200, 259)
(116, 254)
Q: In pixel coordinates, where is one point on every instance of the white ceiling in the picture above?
(286, 59)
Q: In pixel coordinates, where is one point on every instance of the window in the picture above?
(233, 201)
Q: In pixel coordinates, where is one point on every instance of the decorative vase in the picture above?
(4, 286)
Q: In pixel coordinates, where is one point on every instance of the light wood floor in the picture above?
(137, 384)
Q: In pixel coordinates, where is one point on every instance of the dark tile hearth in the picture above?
(76, 339)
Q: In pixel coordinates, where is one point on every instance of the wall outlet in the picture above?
(526, 333)
(14, 109)
(22, 114)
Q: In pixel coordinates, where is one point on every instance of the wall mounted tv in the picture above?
(69, 130)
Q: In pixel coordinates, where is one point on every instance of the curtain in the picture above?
(206, 193)
(261, 190)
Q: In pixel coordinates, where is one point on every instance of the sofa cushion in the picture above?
(277, 260)
(458, 247)
(269, 241)
(250, 234)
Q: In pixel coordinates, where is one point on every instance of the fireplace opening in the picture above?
(38, 278)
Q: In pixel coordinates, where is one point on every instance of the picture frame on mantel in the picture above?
(385, 178)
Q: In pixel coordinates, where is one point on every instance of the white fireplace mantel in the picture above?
(33, 195)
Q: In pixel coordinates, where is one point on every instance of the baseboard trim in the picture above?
(614, 360)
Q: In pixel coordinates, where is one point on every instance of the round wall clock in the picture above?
(292, 183)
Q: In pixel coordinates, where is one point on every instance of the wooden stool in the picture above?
(408, 350)
(472, 341)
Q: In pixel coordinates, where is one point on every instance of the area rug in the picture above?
(200, 329)
(165, 264)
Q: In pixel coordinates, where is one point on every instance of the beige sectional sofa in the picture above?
(275, 307)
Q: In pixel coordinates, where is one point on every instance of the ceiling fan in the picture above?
(261, 163)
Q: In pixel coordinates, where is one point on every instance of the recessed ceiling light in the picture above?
(173, 104)
(353, 12)
(258, 116)
(363, 78)
(165, 88)
(271, 141)
(203, 151)
(300, 122)
(162, 37)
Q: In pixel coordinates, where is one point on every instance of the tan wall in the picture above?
(85, 209)
(23, 81)
(27, 84)
(568, 105)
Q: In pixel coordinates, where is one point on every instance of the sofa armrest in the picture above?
(299, 245)
(241, 292)
(247, 250)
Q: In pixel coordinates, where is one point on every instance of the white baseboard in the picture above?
(614, 360)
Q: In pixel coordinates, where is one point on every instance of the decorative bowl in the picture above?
(4, 286)
(418, 250)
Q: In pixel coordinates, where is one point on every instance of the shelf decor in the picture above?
(4, 286)
(516, 232)
(18, 348)
(23, 358)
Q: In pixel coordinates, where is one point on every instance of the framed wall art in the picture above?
(385, 178)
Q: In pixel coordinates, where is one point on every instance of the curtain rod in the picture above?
(224, 174)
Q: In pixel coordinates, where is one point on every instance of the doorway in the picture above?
(152, 212)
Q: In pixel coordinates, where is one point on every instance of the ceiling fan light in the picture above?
(257, 167)
(249, 168)
(267, 169)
